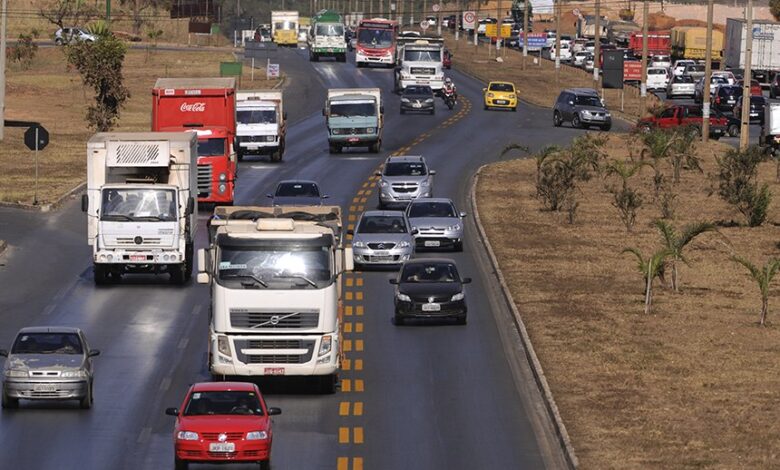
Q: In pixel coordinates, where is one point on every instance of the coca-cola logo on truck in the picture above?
(193, 107)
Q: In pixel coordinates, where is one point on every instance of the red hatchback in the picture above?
(223, 422)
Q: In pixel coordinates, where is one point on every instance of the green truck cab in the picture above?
(326, 37)
(354, 117)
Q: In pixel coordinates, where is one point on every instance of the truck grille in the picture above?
(405, 187)
(254, 319)
(274, 344)
(145, 241)
(422, 71)
(204, 180)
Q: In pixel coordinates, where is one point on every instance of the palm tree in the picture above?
(763, 277)
(650, 268)
(675, 243)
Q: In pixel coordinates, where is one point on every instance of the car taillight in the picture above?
(717, 100)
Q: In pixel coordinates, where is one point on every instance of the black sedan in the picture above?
(757, 105)
(429, 288)
(297, 193)
(418, 98)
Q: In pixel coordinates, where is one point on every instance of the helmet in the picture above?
(448, 81)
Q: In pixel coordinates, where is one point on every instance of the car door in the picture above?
(567, 107)
(668, 118)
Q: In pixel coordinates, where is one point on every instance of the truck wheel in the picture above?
(276, 156)
(176, 271)
(188, 254)
(374, 148)
(101, 274)
(734, 130)
(327, 383)
(343, 58)
(240, 155)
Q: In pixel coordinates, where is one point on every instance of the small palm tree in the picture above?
(651, 267)
(675, 243)
(763, 277)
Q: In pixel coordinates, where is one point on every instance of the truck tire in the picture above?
(334, 148)
(326, 384)
(276, 156)
(342, 57)
(734, 130)
(188, 261)
(374, 148)
(239, 154)
(101, 274)
(176, 272)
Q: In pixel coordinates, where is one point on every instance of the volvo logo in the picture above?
(222, 437)
(138, 240)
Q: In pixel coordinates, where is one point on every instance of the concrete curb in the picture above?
(533, 360)
(46, 207)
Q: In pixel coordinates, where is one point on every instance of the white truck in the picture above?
(275, 275)
(420, 63)
(355, 118)
(765, 59)
(141, 203)
(261, 124)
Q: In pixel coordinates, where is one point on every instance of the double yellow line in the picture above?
(351, 408)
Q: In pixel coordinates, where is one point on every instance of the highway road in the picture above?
(414, 397)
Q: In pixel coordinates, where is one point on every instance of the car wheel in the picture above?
(606, 128)
(433, 111)
(333, 148)
(403, 111)
(486, 107)
(734, 130)
(265, 464)
(557, 120)
(176, 272)
(458, 246)
(86, 401)
(374, 148)
(179, 464)
(575, 121)
(398, 320)
(514, 110)
(461, 320)
(240, 155)
(59, 41)
(10, 403)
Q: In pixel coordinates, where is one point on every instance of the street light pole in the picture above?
(525, 32)
(643, 90)
(558, 7)
(744, 134)
(705, 96)
(3, 26)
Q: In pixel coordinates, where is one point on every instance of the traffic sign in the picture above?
(424, 24)
(36, 138)
(469, 19)
(436, 7)
(272, 71)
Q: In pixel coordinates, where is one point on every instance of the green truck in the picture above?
(354, 117)
(326, 37)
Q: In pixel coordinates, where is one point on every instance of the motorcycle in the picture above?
(449, 98)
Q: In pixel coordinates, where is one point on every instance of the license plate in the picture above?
(431, 307)
(222, 447)
(353, 139)
(44, 388)
(753, 114)
(432, 243)
(381, 253)
(381, 258)
(422, 83)
(137, 257)
(273, 371)
(500, 101)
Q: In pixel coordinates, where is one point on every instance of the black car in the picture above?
(774, 87)
(418, 98)
(297, 193)
(757, 105)
(726, 97)
(429, 288)
(734, 125)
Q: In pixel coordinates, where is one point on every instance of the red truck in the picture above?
(685, 115)
(658, 42)
(206, 106)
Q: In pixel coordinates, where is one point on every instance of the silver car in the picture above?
(681, 86)
(403, 179)
(382, 238)
(438, 223)
(48, 363)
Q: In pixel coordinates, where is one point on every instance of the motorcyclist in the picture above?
(449, 87)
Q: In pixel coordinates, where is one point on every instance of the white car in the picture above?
(679, 66)
(67, 35)
(715, 82)
(680, 86)
(726, 75)
(579, 57)
(661, 61)
(579, 45)
(565, 52)
(657, 78)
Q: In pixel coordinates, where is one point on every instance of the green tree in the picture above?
(100, 65)
(626, 199)
(75, 12)
(675, 242)
(737, 185)
(651, 267)
(763, 277)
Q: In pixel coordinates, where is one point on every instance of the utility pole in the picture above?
(597, 49)
(705, 96)
(643, 89)
(458, 19)
(525, 32)
(499, 22)
(558, 7)
(108, 12)
(744, 134)
(3, 26)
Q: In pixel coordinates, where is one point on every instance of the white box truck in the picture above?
(765, 59)
(275, 276)
(261, 124)
(141, 203)
(354, 117)
(420, 63)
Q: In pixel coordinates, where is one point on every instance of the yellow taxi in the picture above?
(500, 95)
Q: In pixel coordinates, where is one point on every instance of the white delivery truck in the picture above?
(770, 131)
(275, 275)
(355, 118)
(420, 63)
(261, 124)
(141, 203)
(765, 59)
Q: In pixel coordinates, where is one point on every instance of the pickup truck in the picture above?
(684, 115)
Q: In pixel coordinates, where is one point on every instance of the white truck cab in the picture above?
(420, 63)
(261, 124)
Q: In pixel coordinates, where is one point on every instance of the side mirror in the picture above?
(84, 203)
(173, 411)
(325, 196)
(432, 172)
(203, 278)
(93, 353)
(190, 205)
(272, 411)
(377, 173)
(393, 281)
(466, 280)
(269, 195)
(463, 214)
(3, 353)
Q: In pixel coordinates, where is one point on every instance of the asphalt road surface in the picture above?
(431, 397)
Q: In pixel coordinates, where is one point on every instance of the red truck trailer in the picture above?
(206, 106)
(658, 42)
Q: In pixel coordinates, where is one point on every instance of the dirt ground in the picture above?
(51, 94)
(693, 385)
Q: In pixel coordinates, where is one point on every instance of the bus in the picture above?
(376, 42)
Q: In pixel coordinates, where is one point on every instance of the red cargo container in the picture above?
(207, 106)
(658, 42)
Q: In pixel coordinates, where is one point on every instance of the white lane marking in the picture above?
(183, 343)
(165, 384)
(49, 308)
(144, 435)
(196, 309)
(263, 167)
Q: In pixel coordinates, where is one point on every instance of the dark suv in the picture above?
(583, 108)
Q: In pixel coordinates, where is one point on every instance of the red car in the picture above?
(685, 115)
(223, 422)
(447, 59)
(755, 87)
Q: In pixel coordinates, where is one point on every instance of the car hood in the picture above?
(432, 289)
(592, 109)
(224, 423)
(297, 201)
(404, 179)
(382, 237)
(425, 222)
(45, 361)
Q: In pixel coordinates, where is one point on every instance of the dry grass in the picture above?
(537, 83)
(694, 385)
(54, 96)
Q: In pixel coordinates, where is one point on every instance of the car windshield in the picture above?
(382, 224)
(47, 343)
(431, 209)
(430, 272)
(375, 38)
(275, 266)
(418, 91)
(587, 100)
(656, 72)
(297, 190)
(508, 87)
(694, 68)
(223, 403)
(211, 147)
(256, 116)
(422, 56)
(330, 30)
(757, 100)
(405, 169)
(135, 204)
(352, 109)
(683, 79)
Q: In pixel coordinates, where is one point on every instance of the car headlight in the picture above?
(358, 244)
(223, 345)
(384, 183)
(404, 100)
(511, 97)
(74, 373)
(403, 297)
(16, 373)
(607, 114)
(429, 100)
(370, 130)
(270, 138)
(456, 297)
(404, 245)
(187, 436)
(425, 183)
(586, 113)
(335, 131)
(490, 95)
(256, 436)
(222, 177)
(453, 228)
(325, 345)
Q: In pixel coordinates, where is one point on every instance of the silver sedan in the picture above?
(382, 238)
(437, 222)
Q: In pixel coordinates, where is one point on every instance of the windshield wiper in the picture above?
(297, 276)
(245, 276)
(151, 217)
(117, 217)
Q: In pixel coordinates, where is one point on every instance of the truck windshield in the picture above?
(422, 56)
(353, 109)
(211, 147)
(329, 30)
(375, 38)
(138, 204)
(256, 116)
(285, 25)
(275, 266)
